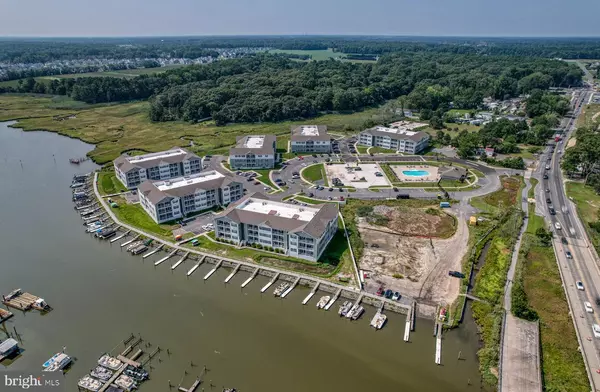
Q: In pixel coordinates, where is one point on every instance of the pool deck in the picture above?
(432, 170)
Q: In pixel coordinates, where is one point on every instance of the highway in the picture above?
(570, 236)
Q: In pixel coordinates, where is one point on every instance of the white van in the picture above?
(557, 226)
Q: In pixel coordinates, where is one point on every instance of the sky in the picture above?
(80, 18)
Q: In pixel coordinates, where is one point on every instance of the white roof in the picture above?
(275, 208)
(254, 142)
(185, 181)
(309, 130)
(396, 131)
(157, 155)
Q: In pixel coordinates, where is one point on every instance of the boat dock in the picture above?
(438, 343)
(195, 267)
(230, 276)
(130, 241)
(4, 315)
(407, 326)
(212, 271)
(119, 237)
(85, 206)
(167, 257)
(289, 289)
(153, 251)
(180, 261)
(266, 287)
(250, 278)
(19, 300)
(332, 301)
(311, 294)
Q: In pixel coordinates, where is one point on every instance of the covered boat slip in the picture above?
(8, 348)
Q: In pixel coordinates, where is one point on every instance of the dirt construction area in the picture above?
(362, 175)
(411, 250)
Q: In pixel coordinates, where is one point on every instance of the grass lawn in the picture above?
(117, 128)
(381, 150)
(534, 182)
(361, 149)
(499, 200)
(134, 215)
(108, 183)
(587, 116)
(451, 129)
(316, 54)
(588, 205)
(314, 173)
(308, 200)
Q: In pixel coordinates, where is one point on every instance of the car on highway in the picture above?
(545, 176)
(579, 285)
(596, 330)
(557, 226)
(548, 200)
(330, 189)
(547, 167)
(564, 241)
(548, 190)
(552, 211)
(588, 307)
(568, 254)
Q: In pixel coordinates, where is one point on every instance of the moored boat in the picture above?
(89, 383)
(281, 288)
(345, 308)
(378, 320)
(323, 301)
(58, 361)
(358, 312)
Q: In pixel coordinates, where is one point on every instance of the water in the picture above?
(250, 341)
(415, 173)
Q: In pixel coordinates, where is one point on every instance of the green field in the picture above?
(588, 208)
(316, 54)
(134, 215)
(117, 128)
(109, 184)
(124, 73)
(315, 173)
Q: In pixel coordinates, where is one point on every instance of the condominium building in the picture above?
(298, 231)
(398, 139)
(310, 139)
(254, 152)
(175, 198)
(133, 170)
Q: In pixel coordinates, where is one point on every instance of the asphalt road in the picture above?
(583, 266)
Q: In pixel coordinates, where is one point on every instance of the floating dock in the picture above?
(130, 241)
(289, 289)
(19, 300)
(250, 278)
(230, 276)
(408, 324)
(332, 301)
(153, 251)
(195, 267)
(180, 261)
(438, 344)
(266, 287)
(4, 315)
(167, 257)
(311, 294)
(121, 236)
(212, 271)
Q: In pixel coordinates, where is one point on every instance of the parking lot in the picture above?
(359, 176)
(195, 225)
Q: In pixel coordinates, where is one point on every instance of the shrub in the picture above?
(398, 276)
(364, 210)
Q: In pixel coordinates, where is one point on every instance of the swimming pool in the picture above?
(415, 173)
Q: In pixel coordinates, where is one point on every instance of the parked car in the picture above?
(330, 189)
(456, 274)
(311, 195)
(380, 291)
(341, 189)
(548, 200)
(557, 226)
(388, 293)
(396, 296)
(396, 189)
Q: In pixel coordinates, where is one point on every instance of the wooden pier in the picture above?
(311, 294)
(167, 257)
(21, 301)
(212, 271)
(195, 267)
(438, 344)
(230, 276)
(408, 324)
(4, 315)
(130, 241)
(266, 287)
(121, 236)
(153, 251)
(250, 278)
(332, 301)
(289, 289)
(195, 385)
(180, 261)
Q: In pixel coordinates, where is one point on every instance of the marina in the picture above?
(236, 323)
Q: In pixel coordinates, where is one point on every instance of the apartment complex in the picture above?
(133, 170)
(398, 139)
(254, 152)
(310, 139)
(302, 232)
(175, 198)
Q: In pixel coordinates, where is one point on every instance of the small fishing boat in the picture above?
(58, 361)
(379, 320)
(281, 288)
(345, 308)
(323, 301)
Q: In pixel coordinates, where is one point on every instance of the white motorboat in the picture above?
(58, 361)
(281, 288)
(345, 308)
(378, 320)
(323, 301)
(89, 383)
